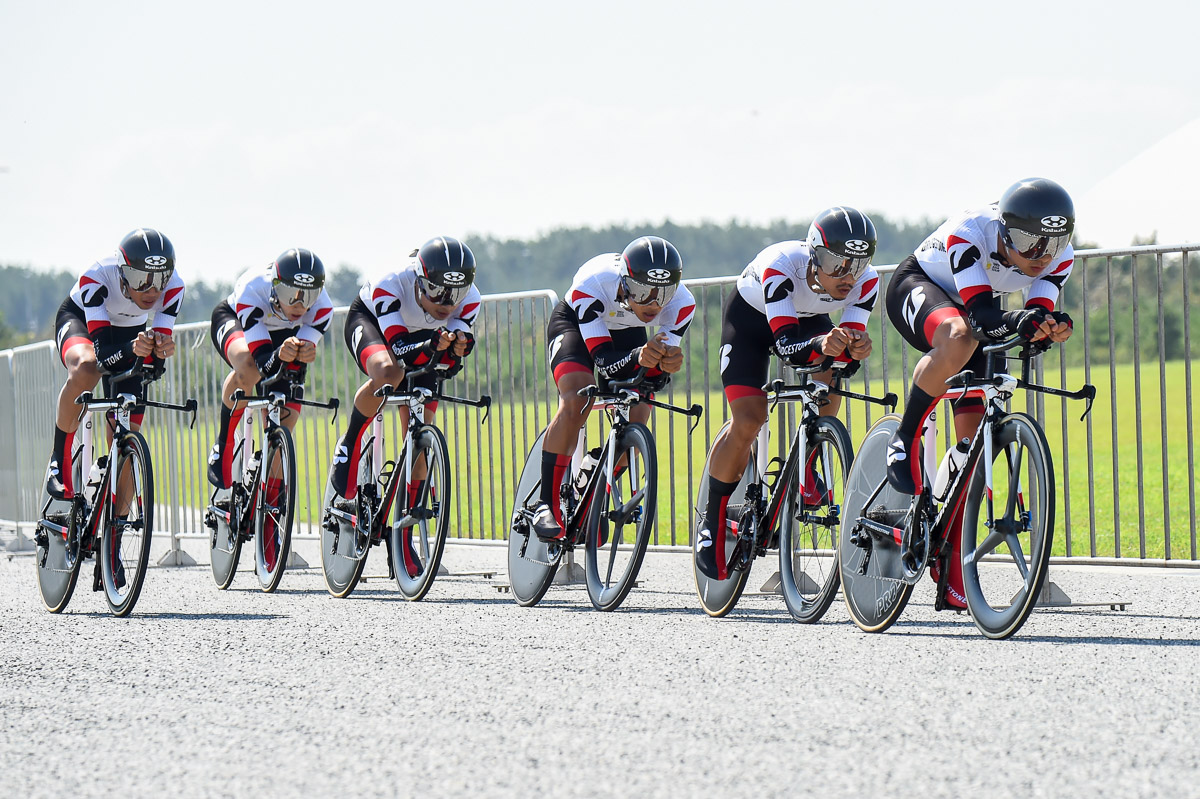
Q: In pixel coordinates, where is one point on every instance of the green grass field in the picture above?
(487, 460)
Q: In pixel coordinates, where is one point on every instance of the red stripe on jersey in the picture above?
(97, 325)
(468, 309)
(771, 272)
(84, 280)
(971, 292)
(566, 367)
(868, 287)
(1040, 302)
(859, 326)
(171, 295)
(780, 322)
(578, 295)
(321, 314)
(377, 293)
(393, 331)
(255, 346)
(599, 341)
(953, 240)
(1064, 266)
(74, 341)
(166, 331)
(684, 313)
(935, 318)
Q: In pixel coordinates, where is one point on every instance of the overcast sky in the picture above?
(360, 129)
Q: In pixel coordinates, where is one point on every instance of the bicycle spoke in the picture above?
(994, 539)
(1014, 478)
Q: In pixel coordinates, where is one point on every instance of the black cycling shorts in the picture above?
(569, 352)
(227, 328)
(916, 306)
(364, 338)
(70, 329)
(746, 341)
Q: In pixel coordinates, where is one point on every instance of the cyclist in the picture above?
(429, 303)
(101, 330)
(782, 302)
(944, 300)
(600, 329)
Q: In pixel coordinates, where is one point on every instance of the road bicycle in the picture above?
(112, 516)
(260, 505)
(888, 539)
(608, 501)
(420, 518)
(778, 504)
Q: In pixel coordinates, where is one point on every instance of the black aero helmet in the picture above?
(842, 240)
(651, 270)
(147, 260)
(299, 277)
(445, 270)
(1037, 218)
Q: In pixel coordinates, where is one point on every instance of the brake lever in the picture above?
(191, 405)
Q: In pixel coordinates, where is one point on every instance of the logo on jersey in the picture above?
(156, 260)
(386, 305)
(916, 298)
(251, 318)
(454, 278)
(556, 345)
(1054, 222)
(304, 279)
(857, 245)
(224, 331)
(964, 259)
(94, 294)
(725, 350)
(590, 312)
(356, 337)
(777, 287)
(659, 275)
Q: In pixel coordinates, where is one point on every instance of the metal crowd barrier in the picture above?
(1126, 476)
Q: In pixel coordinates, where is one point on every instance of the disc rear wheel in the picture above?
(531, 561)
(718, 597)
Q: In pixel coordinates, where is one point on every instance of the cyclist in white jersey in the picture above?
(101, 330)
(271, 322)
(599, 329)
(946, 298)
(782, 304)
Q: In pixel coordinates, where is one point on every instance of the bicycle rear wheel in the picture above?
(276, 509)
(1002, 591)
(417, 549)
(344, 547)
(808, 540)
(718, 597)
(873, 583)
(127, 529)
(531, 562)
(58, 555)
(619, 520)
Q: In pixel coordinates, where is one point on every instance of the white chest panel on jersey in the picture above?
(593, 297)
(251, 300)
(392, 297)
(101, 296)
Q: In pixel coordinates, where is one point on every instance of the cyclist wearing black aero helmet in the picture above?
(101, 330)
(945, 299)
(782, 303)
(429, 303)
(599, 329)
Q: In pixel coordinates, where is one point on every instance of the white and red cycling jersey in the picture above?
(101, 295)
(965, 258)
(392, 297)
(252, 301)
(775, 283)
(593, 298)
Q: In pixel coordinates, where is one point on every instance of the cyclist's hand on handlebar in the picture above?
(859, 347)
(307, 352)
(672, 361)
(143, 345)
(441, 339)
(164, 345)
(289, 349)
(1058, 326)
(463, 344)
(835, 342)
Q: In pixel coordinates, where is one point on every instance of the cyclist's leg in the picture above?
(930, 321)
(375, 360)
(245, 376)
(78, 355)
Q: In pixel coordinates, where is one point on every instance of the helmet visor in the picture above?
(290, 295)
(139, 279)
(442, 295)
(643, 294)
(1034, 246)
(836, 265)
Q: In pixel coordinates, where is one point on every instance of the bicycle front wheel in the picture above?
(620, 518)
(1006, 539)
(808, 564)
(417, 548)
(276, 509)
(128, 526)
(872, 570)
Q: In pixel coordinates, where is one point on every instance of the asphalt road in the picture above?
(238, 693)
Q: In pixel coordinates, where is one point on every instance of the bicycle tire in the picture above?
(341, 569)
(875, 593)
(604, 529)
(808, 563)
(58, 567)
(272, 546)
(416, 564)
(529, 575)
(225, 542)
(125, 546)
(1001, 598)
(719, 597)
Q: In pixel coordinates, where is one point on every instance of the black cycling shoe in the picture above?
(54, 480)
(545, 525)
(214, 468)
(900, 466)
(706, 553)
(118, 566)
